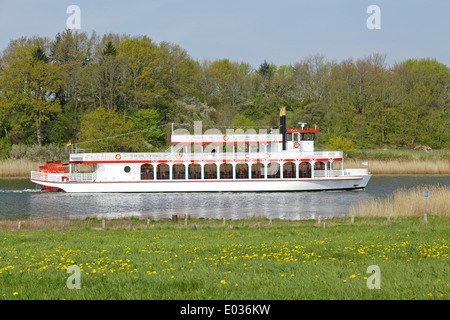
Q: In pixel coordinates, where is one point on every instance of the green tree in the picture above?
(29, 86)
(104, 130)
(148, 122)
(341, 143)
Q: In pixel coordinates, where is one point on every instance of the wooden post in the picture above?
(130, 227)
(195, 227)
(352, 219)
(223, 221)
(324, 225)
(19, 225)
(388, 222)
(426, 194)
(103, 224)
(174, 218)
(260, 226)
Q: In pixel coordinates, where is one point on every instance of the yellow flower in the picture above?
(15, 293)
(352, 276)
(223, 282)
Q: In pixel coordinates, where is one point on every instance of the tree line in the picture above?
(82, 87)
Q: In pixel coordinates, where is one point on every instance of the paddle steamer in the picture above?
(213, 161)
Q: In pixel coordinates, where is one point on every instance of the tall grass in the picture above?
(18, 167)
(412, 166)
(405, 202)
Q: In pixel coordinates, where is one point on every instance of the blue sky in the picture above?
(281, 31)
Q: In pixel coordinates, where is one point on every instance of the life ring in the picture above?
(178, 156)
(65, 179)
(296, 144)
(118, 156)
(225, 138)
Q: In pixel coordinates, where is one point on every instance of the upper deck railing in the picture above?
(232, 138)
(221, 156)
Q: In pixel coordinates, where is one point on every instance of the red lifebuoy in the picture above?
(296, 144)
(179, 155)
(65, 179)
(118, 157)
(225, 138)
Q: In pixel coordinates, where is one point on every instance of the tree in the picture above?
(72, 51)
(341, 143)
(148, 122)
(104, 130)
(29, 86)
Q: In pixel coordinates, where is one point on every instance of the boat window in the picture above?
(273, 170)
(163, 172)
(241, 171)
(258, 170)
(226, 171)
(127, 169)
(288, 136)
(289, 170)
(178, 172)
(319, 166)
(307, 136)
(304, 170)
(210, 171)
(147, 172)
(195, 171)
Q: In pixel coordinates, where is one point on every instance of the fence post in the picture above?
(426, 194)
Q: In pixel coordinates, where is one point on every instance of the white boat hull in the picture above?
(250, 185)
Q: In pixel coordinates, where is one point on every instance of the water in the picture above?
(19, 198)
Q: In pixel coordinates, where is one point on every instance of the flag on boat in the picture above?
(365, 163)
(68, 144)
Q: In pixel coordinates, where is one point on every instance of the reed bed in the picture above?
(405, 202)
(12, 168)
(402, 166)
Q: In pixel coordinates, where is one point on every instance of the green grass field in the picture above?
(282, 260)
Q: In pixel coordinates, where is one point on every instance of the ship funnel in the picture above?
(283, 125)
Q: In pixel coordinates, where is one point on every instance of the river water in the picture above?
(19, 198)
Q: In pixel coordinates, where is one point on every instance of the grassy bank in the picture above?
(392, 167)
(406, 202)
(401, 161)
(242, 259)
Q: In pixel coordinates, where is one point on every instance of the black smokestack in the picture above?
(283, 126)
